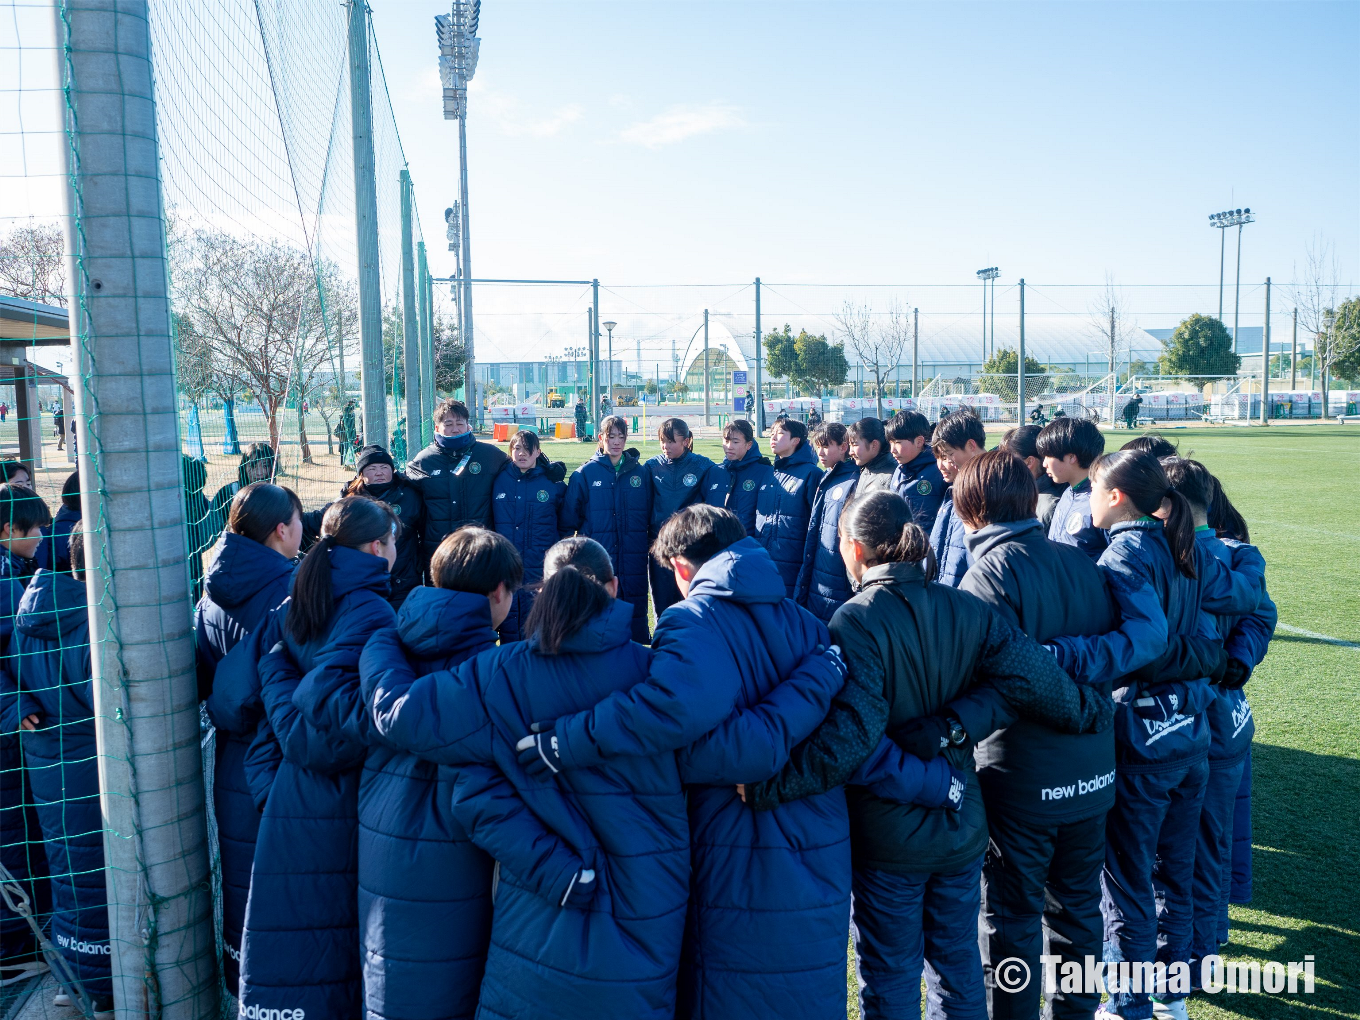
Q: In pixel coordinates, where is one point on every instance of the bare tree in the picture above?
(1111, 322)
(879, 347)
(33, 264)
(1316, 293)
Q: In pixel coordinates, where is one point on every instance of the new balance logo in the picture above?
(88, 948)
(266, 1013)
(1078, 789)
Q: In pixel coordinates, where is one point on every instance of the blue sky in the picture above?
(644, 142)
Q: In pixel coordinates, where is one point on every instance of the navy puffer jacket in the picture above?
(823, 585)
(54, 551)
(737, 680)
(744, 480)
(300, 950)
(51, 645)
(424, 888)
(243, 583)
(525, 508)
(618, 957)
(783, 510)
(677, 484)
(614, 507)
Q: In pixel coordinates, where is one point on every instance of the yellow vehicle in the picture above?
(555, 399)
(625, 396)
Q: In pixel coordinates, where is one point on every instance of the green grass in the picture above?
(1299, 489)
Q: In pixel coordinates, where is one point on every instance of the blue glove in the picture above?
(581, 891)
(943, 786)
(538, 751)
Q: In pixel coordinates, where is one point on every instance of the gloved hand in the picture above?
(943, 786)
(581, 891)
(924, 737)
(957, 784)
(1235, 675)
(538, 751)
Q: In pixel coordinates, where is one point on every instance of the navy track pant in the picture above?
(1213, 862)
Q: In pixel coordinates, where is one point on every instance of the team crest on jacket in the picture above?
(635, 481)
(924, 487)
(475, 468)
(1073, 524)
(543, 495)
(748, 485)
(396, 509)
(690, 478)
(837, 491)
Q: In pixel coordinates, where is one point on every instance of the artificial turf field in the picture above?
(1298, 486)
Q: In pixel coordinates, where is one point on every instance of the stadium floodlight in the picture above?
(1221, 221)
(609, 328)
(988, 275)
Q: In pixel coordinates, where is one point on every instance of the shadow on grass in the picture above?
(1306, 884)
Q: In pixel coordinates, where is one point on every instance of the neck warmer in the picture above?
(454, 444)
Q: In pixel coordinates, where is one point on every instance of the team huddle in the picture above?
(897, 682)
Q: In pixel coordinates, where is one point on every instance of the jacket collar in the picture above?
(920, 462)
(438, 623)
(883, 463)
(984, 540)
(1141, 524)
(799, 457)
(611, 628)
(743, 572)
(353, 570)
(241, 569)
(894, 574)
(753, 456)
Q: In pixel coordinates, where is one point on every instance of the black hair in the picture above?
(575, 572)
(1155, 445)
(526, 439)
(1224, 517)
(258, 509)
(697, 533)
(476, 560)
(258, 452)
(76, 544)
(795, 428)
(995, 488)
(10, 468)
(1141, 477)
(449, 406)
(672, 430)
(1066, 435)
(350, 522)
(741, 427)
(830, 432)
(883, 523)
(1197, 484)
(22, 509)
(908, 425)
(613, 423)
(70, 492)
(868, 430)
(1020, 441)
(955, 429)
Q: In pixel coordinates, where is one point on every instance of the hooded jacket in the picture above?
(625, 820)
(613, 504)
(54, 551)
(745, 479)
(1070, 521)
(1050, 492)
(419, 874)
(920, 483)
(245, 581)
(403, 496)
(878, 473)
(456, 487)
(525, 508)
(784, 510)
(52, 644)
(300, 949)
(823, 584)
(948, 538)
(677, 484)
(737, 679)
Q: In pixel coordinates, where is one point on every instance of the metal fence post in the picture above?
(136, 548)
(760, 396)
(1265, 362)
(410, 322)
(427, 390)
(1020, 366)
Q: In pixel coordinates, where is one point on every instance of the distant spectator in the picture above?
(54, 550)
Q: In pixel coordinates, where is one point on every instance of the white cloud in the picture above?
(681, 122)
(510, 117)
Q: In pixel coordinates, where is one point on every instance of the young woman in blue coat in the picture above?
(823, 585)
(784, 508)
(51, 644)
(593, 872)
(424, 888)
(526, 504)
(249, 576)
(609, 499)
(300, 950)
(680, 478)
(748, 471)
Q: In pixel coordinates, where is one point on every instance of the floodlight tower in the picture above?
(609, 328)
(458, 50)
(988, 275)
(1238, 218)
(454, 232)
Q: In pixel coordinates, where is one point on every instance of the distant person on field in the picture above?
(59, 426)
(582, 419)
(1131, 410)
(53, 552)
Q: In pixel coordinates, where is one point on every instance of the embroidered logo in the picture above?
(475, 468)
(543, 495)
(690, 478)
(1073, 524)
(837, 492)
(924, 487)
(396, 509)
(500, 495)
(749, 485)
(635, 482)
(597, 483)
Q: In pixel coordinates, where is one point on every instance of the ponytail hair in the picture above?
(259, 508)
(1224, 517)
(1141, 477)
(882, 522)
(675, 430)
(350, 522)
(575, 572)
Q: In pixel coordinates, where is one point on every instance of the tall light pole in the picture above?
(988, 275)
(1238, 218)
(458, 49)
(609, 371)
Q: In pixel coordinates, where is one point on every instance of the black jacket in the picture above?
(877, 474)
(402, 495)
(1045, 589)
(456, 493)
(912, 647)
(1049, 494)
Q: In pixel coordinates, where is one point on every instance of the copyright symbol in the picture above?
(1011, 974)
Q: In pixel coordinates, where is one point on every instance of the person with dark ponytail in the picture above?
(599, 858)
(300, 949)
(912, 646)
(1165, 588)
(248, 577)
(418, 871)
(1246, 639)
(526, 503)
(1156, 445)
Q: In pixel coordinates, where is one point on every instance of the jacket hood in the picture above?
(894, 573)
(883, 463)
(435, 623)
(512, 471)
(802, 455)
(923, 459)
(838, 472)
(242, 569)
(352, 570)
(753, 456)
(627, 461)
(611, 628)
(53, 605)
(398, 481)
(984, 540)
(743, 572)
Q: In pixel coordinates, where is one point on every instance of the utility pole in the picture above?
(1113, 384)
(410, 322)
(592, 392)
(706, 404)
(146, 719)
(427, 388)
(366, 230)
(1294, 356)
(595, 415)
(1265, 362)
(1237, 290)
(915, 352)
(1222, 253)
(759, 394)
(1020, 368)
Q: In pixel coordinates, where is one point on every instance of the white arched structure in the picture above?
(719, 335)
